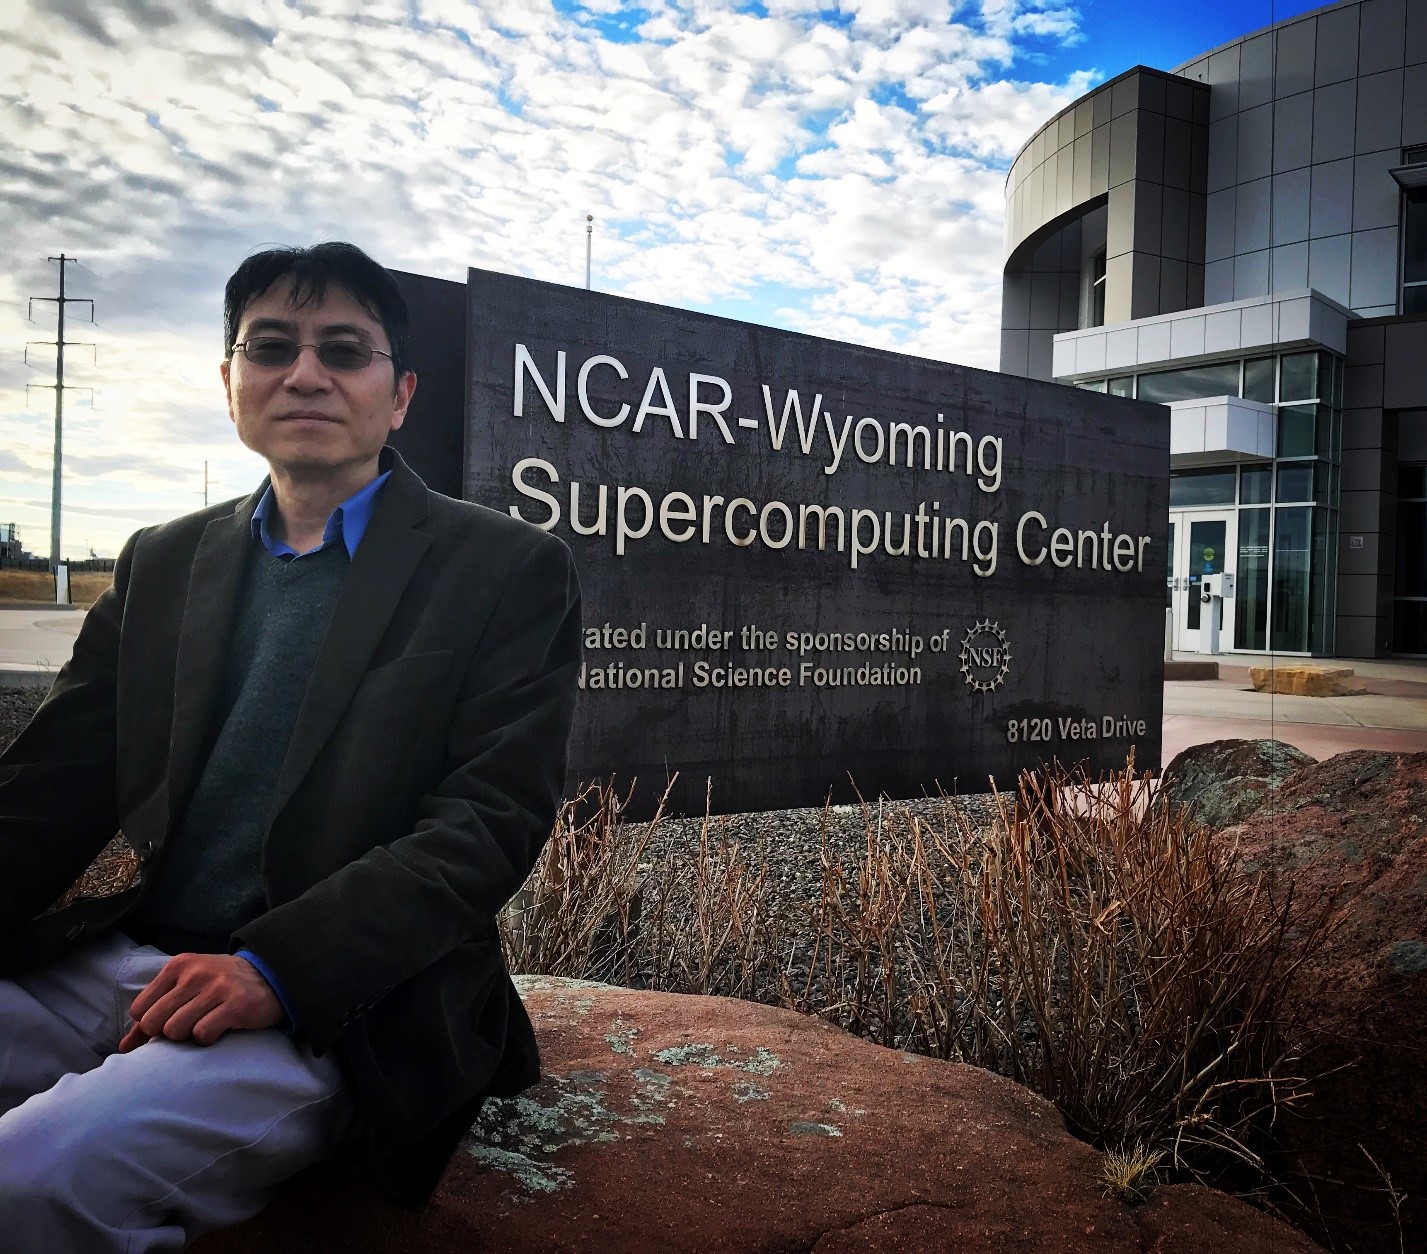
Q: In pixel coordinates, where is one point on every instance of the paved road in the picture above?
(1391, 715)
(34, 637)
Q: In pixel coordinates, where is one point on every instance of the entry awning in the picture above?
(1220, 429)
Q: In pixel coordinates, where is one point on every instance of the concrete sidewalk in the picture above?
(35, 641)
(1391, 714)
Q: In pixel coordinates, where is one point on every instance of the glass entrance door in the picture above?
(1200, 548)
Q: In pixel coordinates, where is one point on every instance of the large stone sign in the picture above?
(812, 568)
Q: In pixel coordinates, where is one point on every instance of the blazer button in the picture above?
(76, 931)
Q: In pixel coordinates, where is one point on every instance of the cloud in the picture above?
(834, 166)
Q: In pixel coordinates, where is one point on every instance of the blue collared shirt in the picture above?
(347, 523)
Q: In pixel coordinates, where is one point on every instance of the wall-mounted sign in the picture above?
(810, 566)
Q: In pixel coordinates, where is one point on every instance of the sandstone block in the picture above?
(1304, 681)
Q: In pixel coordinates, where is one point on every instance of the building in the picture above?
(1244, 239)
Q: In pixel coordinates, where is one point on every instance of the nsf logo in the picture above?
(985, 656)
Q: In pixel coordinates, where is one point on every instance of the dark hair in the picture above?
(310, 270)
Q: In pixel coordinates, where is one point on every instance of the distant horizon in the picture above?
(833, 169)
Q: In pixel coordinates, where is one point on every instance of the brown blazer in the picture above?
(419, 786)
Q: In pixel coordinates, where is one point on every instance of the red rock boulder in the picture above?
(674, 1123)
(1356, 826)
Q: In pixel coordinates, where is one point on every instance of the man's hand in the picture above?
(198, 997)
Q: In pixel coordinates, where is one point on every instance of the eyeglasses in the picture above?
(276, 351)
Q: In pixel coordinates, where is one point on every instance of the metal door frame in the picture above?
(1185, 639)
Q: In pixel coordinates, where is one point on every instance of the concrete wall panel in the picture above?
(1223, 78)
(1328, 266)
(1331, 210)
(1404, 383)
(1414, 105)
(1255, 71)
(1250, 275)
(1255, 151)
(1416, 40)
(1251, 216)
(1219, 281)
(1336, 59)
(1288, 267)
(1374, 267)
(1382, 35)
(1334, 121)
(1292, 198)
(1297, 43)
(1379, 115)
(1377, 200)
(1292, 122)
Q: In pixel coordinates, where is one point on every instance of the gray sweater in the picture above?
(208, 881)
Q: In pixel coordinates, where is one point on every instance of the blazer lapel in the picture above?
(386, 559)
(213, 585)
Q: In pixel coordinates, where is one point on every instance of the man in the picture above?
(331, 721)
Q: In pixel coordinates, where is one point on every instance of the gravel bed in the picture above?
(115, 867)
(16, 707)
(790, 843)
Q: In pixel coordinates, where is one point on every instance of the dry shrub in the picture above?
(594, 908)
(1086, 943)
(576, 912)
(1142, 970)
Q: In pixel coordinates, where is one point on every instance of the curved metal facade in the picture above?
(1262, 206)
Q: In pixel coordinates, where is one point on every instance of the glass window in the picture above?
(1411, 549)
(1123, 386)
(1296, 430)
(1322, 589)
(1192, 383)
(1097, 290)
(1329, 436)
(1295, 482)
(1092, 385)
(1258, 380)
(1409, 627)
(1255, 485)
(1298, 377)
(1409, 611)
(1251, 586)
(1325, 378)
(1414, 251)
(1291, 554)
(1189, 488)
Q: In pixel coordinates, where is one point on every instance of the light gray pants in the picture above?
(103, 1152)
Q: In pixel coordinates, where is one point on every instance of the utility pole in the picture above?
(59, 346)
(589, 244)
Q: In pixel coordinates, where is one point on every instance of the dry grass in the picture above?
(1129, 1174)
(1086, 944)
(85, 586)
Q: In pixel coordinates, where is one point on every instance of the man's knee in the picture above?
(41, 1168)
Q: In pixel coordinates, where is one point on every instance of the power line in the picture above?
(58, 343)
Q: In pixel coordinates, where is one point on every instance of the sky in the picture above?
(835, 168)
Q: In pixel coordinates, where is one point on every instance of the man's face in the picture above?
(304, 418)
